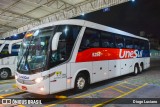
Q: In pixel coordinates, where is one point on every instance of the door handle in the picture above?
(115, 66)
(100, 68)
(110, 70)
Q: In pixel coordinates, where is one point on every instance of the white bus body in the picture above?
(74, 53)
(8, 58)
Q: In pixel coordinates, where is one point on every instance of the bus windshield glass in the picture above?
(34, 49)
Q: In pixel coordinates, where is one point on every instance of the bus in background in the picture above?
(9, 48)
(75, 53)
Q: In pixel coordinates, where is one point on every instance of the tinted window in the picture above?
(137, 44)
(119, 41)
(142, 44)
(90, 39)
(65, 44)
(107, 40)
(129, 43)
(146, 45)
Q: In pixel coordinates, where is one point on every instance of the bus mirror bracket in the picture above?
(55, 41)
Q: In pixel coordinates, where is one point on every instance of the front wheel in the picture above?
(4, 73)
(81, 83)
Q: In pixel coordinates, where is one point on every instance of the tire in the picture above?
(136, 70)
(4, 73)
(141, 68)
(81, 83)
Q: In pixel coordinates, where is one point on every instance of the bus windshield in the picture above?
(35, 53)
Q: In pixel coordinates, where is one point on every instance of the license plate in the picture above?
(24, 88)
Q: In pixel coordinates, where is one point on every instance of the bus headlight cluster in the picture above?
(16, 77)
(38, 80)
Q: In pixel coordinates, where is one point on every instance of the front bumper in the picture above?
(41, 88)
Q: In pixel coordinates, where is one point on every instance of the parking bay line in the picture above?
(11, 94)
(127, 93)
(126, 87)
(6, 82)
(85, 94)
(117, 90)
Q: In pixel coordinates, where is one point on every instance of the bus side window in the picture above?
(90, 39)
(142, 44)
(136, 44)
(146, 45)
(107, 40)
(119, 41)
(129, 42)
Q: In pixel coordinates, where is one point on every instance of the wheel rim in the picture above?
(81, 83)
(4, 74)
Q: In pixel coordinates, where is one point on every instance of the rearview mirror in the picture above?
(55, 41)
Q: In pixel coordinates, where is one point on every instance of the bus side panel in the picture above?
(147, 63)
(100, 70)
(126, 66)
(77, 67)
(114, 68)
(58, 80)
(9, 62)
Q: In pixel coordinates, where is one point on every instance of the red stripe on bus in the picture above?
(98, 54)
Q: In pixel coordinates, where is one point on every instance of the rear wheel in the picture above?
(136, 70)
(4, 73)
(141, 68)
(81, 83)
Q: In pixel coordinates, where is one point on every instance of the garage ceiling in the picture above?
(17, 16)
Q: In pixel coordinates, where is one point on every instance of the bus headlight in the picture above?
(38, 80)
(16, 77)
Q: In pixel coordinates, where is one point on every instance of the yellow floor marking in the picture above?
(61, 97)
(10, 94)
(14, 86)
(83, 95)
(126, 87)
(118, 90)
(1, 97)
(21, 106)
(6, 82)
(132, 84)
(104, 103)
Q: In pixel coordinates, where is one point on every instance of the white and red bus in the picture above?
(75, 53)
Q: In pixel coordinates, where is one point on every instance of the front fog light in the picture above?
(38, 80)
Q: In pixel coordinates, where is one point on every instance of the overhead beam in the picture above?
(69, 12)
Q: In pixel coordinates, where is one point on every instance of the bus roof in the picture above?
(90, 25)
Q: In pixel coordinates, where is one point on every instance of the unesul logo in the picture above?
(24, 77)
(130, 54)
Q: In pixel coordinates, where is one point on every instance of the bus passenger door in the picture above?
(100, 70)
(114, 68)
